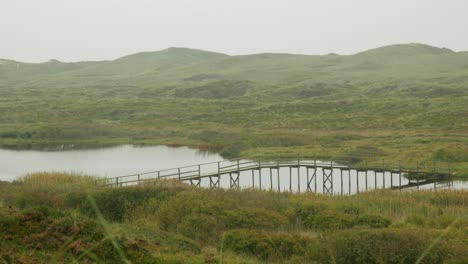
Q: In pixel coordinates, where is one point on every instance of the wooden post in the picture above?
(383, 177)
(253, 179)
(260, 178)
(138, 179)
(117, 182)
(290, 179)
(400, 180)
(278, 172)
(366, 180)
(417, 175)
(341, 176)
(298, 177)
(323, 181)
(315, 179)
(271, 180)
(179, 173)
(391, 179)
(357, 181)
(331, 176)
(375, 180)
(349, 181)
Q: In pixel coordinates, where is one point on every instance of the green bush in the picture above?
(308, 209)
(374, 221)
(263, 245)
(114, 204)
(381, 246)
(254, 218)
(34, 233)
(350, 209)
(216, 90)
(202, 216)
(201, 227)
(329, 220)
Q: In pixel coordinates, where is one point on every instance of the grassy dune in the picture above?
(64, 218)
(399, 103)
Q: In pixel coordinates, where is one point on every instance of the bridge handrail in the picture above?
(227, 166)
(234, 163)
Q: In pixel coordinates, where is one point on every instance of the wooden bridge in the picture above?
(328, 177)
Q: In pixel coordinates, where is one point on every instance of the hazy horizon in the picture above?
(87, 30)
(266, 52)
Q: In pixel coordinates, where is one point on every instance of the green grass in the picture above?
(63, 218)
(402, 103)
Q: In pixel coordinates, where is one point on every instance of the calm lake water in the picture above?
(104, 162)
(128, 159)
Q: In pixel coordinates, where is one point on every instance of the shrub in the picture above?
(382, 246)
(374, 221)
(263, 245)
(329, 220)
(44, 233)
(114, 204)
(204, 215)
(201, 227)
(306, 210)
(254, 218)
(216, 90)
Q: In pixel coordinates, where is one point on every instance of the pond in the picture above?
(103, 162)
(129, 159)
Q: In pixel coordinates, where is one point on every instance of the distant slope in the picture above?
(156, 60)
(185, 68)
(413, 49)
(16, 71)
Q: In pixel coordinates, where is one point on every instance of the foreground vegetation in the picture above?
(48, 218)
(401, 103)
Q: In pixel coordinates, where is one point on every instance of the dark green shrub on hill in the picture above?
(315, 90)
(254, 218)
(319, 216)
(115, 203)
(373, 221)
(201, 227)
(231, 151)
(451, 155)
(216, 90)
(382, 246)
(43, 235)
(263, 245)
(329, 220)
(201, 216)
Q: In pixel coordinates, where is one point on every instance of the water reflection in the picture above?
(105, 162)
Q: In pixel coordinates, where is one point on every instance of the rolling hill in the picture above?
(401, 102)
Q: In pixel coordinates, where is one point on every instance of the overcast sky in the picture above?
(73, 30)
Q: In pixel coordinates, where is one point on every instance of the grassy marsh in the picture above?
(63, 218)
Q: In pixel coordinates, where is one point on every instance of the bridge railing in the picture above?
(213, 169)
